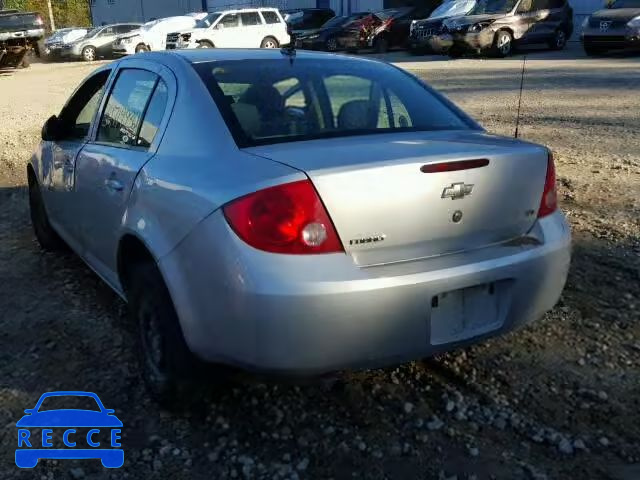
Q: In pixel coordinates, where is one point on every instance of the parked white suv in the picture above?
(152, 35)
(245, 28)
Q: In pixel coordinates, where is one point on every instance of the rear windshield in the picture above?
(18, 20)
(274, 101)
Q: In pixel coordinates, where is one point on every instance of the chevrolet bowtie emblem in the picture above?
(457, 191)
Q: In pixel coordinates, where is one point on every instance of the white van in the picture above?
(245, 28)
(152, 35)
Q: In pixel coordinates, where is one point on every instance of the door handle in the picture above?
(114, 185)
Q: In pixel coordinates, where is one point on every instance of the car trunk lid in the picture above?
(390, 201)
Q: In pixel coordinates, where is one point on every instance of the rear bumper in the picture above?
(315, 314)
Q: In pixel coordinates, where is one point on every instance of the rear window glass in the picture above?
(250, 18)
(273, 101)
(18, 20)
(270, 17)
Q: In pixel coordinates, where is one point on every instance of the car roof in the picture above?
(240, 10)
(222, 54)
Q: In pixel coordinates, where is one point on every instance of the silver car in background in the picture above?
(295, 213)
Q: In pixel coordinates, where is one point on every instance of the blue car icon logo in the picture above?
(72, 428)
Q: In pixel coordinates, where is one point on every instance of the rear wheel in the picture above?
(559, 40)
(205, 44)
(502, 44)
(89, 54)
(169, 370)
(381, 45)
(47, 237)
(269, 42)
(142, 48)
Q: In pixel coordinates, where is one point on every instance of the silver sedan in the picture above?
(295, 213)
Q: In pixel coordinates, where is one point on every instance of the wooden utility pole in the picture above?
(53, 24)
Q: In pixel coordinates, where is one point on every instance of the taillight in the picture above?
(288, 218)
(549, 202)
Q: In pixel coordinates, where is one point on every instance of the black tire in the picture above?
(455, 52)
(205, 44)
(331, 45)
(381, 45)
(269, 42)
(502, 44)
(142, 48)
(47, 237)
(168, 368)
(559, 40)
(41, 49)
(89, 53)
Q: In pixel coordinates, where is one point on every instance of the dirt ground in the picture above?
(559, 399)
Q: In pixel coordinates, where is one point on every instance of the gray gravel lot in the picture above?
(559, 399)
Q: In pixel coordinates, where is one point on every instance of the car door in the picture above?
(524, 20)
(126, 137)
(228, 33)
(253, 31)
(104, 41)
(542, 28)
(75, 125)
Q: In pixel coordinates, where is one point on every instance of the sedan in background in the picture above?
(617, 27)
(97, 43)
(326, 37)
(296, 213)
(152, 35)
(54, 44)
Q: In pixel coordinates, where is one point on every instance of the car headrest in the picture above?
(266, 98)
(357, 115)
(248, 117)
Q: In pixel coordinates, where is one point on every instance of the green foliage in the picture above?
(66, 13)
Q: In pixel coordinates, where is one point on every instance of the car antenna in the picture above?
(290, 50)
(524, 63)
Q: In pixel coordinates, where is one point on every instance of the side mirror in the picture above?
(220, 26)
(51, 129)
(109, 411)
(29, 411)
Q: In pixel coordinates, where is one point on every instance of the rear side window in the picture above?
(270, 17)
(153, 117)
(125, 108)
(250, 19)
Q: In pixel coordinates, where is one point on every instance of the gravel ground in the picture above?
(558, 399)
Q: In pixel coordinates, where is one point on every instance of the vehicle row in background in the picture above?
(454, 27)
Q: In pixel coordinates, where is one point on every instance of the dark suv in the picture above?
(497, 26)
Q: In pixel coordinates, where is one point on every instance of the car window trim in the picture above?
(88, 137)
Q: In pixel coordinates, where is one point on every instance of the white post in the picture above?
(53, 24)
